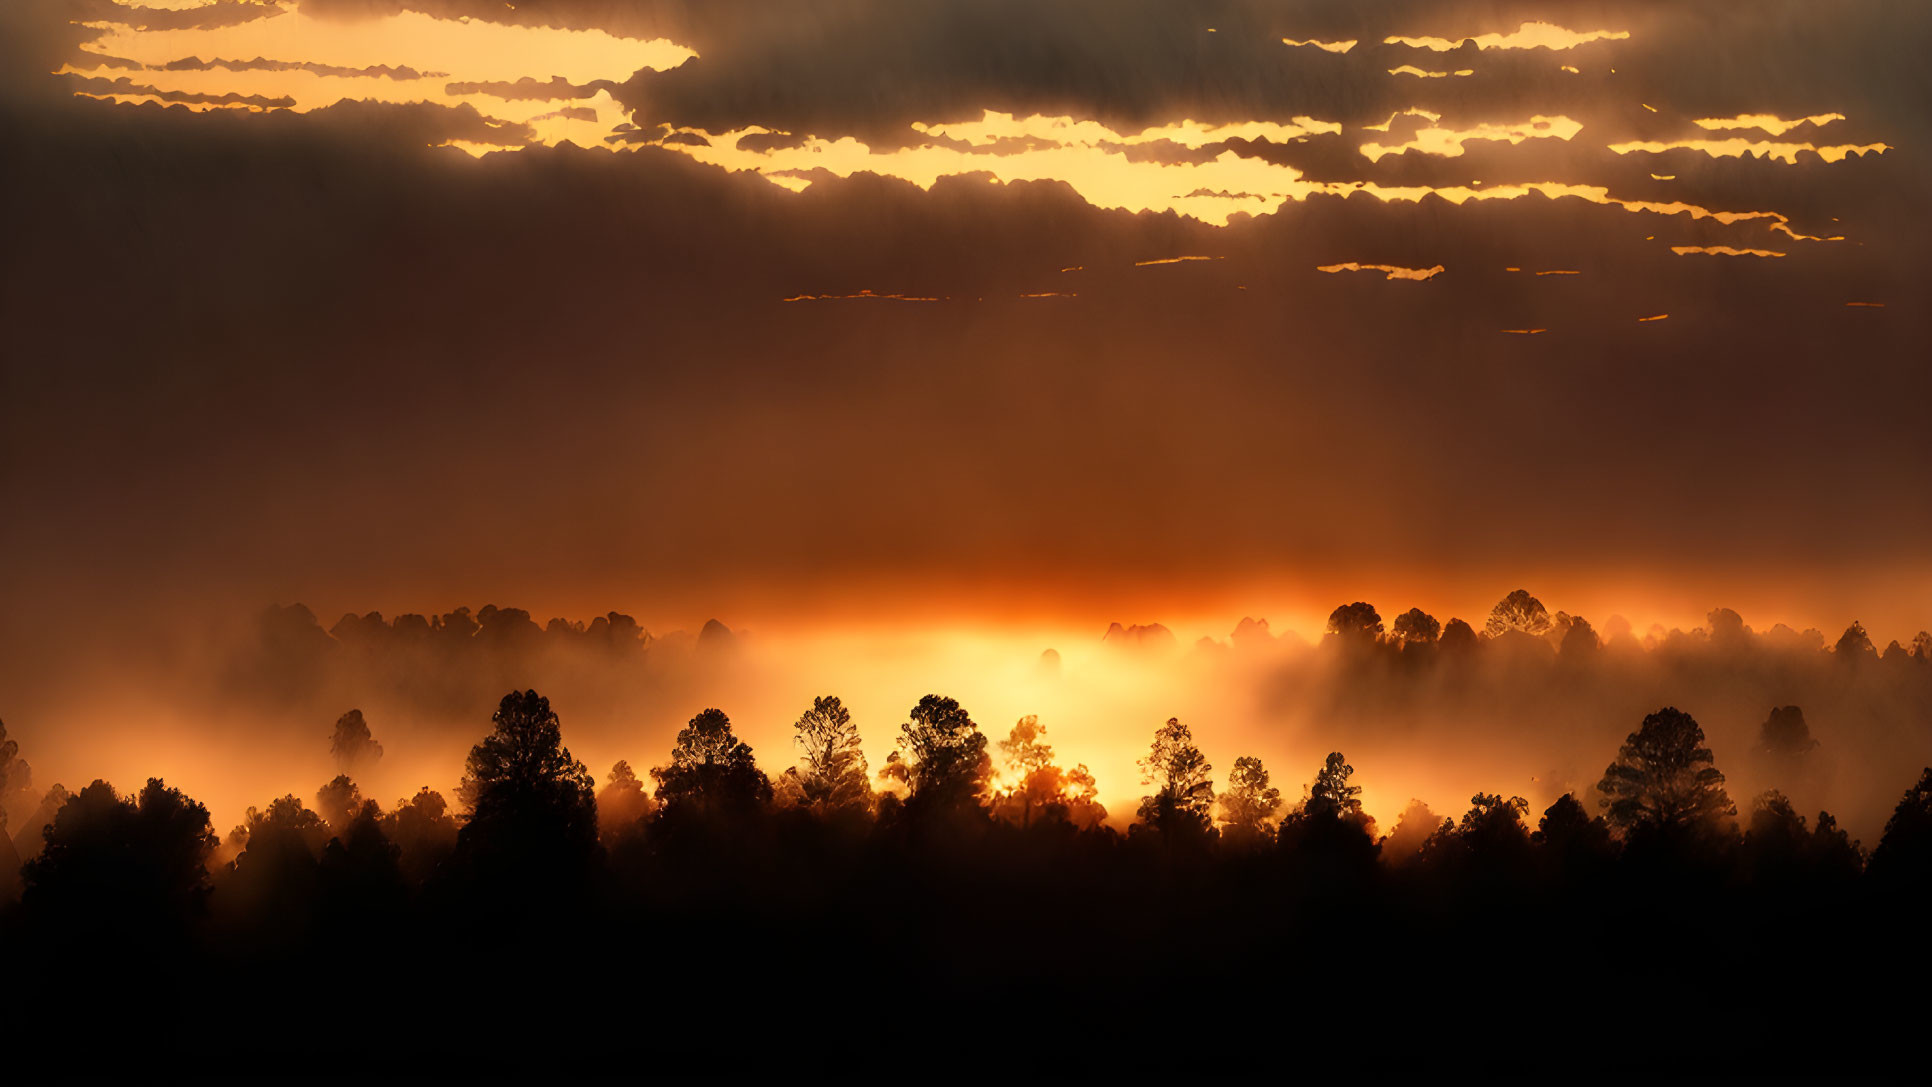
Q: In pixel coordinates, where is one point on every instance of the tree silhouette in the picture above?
(1080, 794)
(1413, 829)
(362, 885)
(1785, 733)
(1035, 788)
(622, 803)
(338, 802)
(1026, 749)
(832, 774)
(119, 869)
(28, 833)
(271, 886)
(1727, 628)
(1579, 638)
(1833, 852)
(1457, 637)
(323, 895)
(9, 870)
(1519, 611)
(287, 815)
(422, 828)
(531, 805)
(1854, 643)
(711, 771)
(1034, 780)
(1328, 840)
(1490, 813)
(293, 651)
(1567, 830)
(1331, 794)
(1663, 777)
(1491, 837)
(1248, 807)
(1904, 854)
(506, 630)
(1780, 856)
(1181, 778)
(1414, 627)
(1356, 622)
(14, 779)
(1574, 851)
(352, 744)
(1776, 828)
(944, 756)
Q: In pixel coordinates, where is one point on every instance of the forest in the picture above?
(835, 912)
(970, 894)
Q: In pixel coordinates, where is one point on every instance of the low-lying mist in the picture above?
(1534, 705)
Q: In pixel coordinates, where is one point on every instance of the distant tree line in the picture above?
(293, 637)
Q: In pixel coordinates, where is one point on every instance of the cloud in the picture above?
(382, 277)
(382, 71)
(471, 49)
(555, 89)
(211, 15)
(356, 367)
(1533, 35)
(124, 87)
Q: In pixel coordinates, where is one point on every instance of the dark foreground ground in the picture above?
(989, 951)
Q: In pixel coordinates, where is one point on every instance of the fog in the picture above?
(239, 710)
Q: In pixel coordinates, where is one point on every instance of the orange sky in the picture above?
(976, 326)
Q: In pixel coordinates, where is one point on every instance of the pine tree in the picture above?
(1664, 777)
(530, 802)
(711, 770)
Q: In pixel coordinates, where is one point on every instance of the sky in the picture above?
(960, 323)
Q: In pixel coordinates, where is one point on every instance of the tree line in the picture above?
(523, 792)
(938, 875)
(970, 870)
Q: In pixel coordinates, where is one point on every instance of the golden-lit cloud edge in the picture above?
(535, 85)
